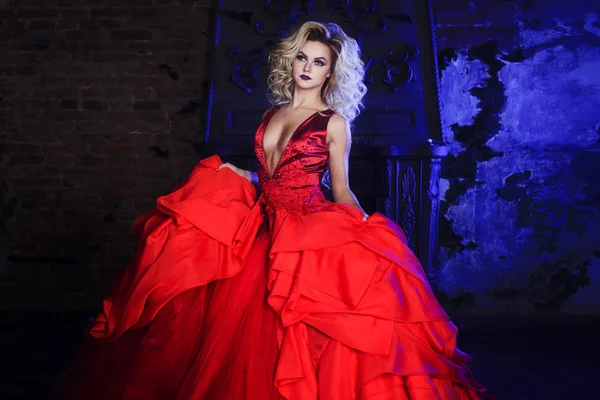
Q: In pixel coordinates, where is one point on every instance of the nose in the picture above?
(307, 67)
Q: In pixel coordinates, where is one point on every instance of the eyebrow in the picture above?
(316, 58)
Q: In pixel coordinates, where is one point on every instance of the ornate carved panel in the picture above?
(391, 48)
(407, 202)
(396, 140)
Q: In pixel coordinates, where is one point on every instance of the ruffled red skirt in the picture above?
(221, 304)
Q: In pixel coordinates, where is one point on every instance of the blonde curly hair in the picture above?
(343, 92)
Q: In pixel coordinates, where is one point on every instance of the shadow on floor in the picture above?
(518, 359)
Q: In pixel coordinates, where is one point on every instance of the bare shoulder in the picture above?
(268, 110)
(338, 129)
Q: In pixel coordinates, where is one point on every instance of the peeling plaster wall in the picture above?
(520, 229)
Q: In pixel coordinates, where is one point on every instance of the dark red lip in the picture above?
(305, 77)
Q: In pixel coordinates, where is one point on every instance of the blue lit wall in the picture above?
(520, 228)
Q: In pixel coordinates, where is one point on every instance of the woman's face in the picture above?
(312, 65)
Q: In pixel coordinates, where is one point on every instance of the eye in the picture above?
(300, 57)
(319, 63)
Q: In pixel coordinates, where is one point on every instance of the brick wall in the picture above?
(101, 102)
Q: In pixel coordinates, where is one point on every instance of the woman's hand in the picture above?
(241, 172)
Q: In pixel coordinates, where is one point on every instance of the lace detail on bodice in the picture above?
(303, 200)
(295, 184)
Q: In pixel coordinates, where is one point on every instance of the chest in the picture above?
(281, 131)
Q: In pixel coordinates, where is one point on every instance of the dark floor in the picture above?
(515, 358)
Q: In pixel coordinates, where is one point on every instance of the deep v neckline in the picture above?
(285, 148)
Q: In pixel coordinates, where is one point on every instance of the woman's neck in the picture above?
(307, 99)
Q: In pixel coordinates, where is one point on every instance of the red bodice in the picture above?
(295, 183)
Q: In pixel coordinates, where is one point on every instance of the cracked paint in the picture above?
(520, 232)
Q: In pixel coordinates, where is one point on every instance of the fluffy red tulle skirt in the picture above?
(221, 303)
(218, 341)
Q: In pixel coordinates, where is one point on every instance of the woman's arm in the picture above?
(339, 142)
(251, 176)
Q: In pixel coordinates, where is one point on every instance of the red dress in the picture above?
(281, 295)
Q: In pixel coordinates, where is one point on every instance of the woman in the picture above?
(281, 295)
